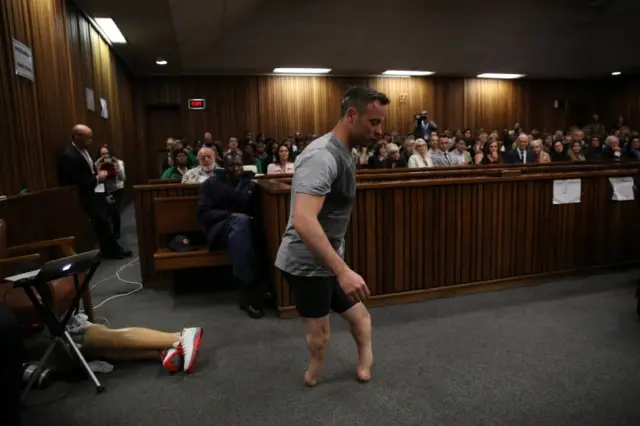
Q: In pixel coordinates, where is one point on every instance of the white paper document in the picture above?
(104, 111)
(622, 188)
(90, 99)
(567, 191)
(100, 188)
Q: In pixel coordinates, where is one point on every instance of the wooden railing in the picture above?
(45, 215)
(417, 234)
(418, 239)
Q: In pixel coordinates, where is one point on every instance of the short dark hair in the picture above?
(175, 152)
(359, 97)
(105, 147)
(232, 156)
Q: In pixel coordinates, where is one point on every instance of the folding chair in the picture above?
(38, 279)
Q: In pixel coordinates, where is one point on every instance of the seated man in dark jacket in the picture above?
(225, 211)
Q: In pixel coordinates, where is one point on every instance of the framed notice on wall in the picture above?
(90, 99)
(23, 60)
(104, 110)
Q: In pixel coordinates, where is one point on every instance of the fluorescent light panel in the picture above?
(302, 70)
(161, 62)
(110, 30)
(499, 75)
(616, 73)
(407, 73)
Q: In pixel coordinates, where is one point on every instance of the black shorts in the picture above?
(315, 297)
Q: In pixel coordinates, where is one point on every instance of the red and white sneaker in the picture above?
(190, 343)
(172, 358)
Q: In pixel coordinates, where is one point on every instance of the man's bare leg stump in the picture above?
(360, 322)
(318, 336)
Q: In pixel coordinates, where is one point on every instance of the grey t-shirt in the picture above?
(325, 167)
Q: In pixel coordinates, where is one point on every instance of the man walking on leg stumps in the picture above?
(312, 248)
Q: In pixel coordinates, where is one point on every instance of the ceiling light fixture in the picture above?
(616, 73)
(400, 73)
(302, 70)
(500, 75)
(161, 61)
(110, 30)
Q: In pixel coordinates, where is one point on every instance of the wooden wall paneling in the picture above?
(8, 113)
(68, 55)
(380, 243)
(388, 239)
(370, 225)
(489, 199)
(360, 232)
(46, 214)
(398, 238)
(16, 24)
(449, 100)
(287, 104)
(622, 96)
(50, 46)
(282, 105)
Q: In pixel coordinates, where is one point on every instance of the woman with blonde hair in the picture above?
(393, 159)
(362, 156)
(575, 153)
(421, 158)
(541, 156)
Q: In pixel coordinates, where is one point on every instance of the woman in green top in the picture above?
(180, 167)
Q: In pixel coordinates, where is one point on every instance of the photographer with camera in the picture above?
(113, 184)
(424, 126)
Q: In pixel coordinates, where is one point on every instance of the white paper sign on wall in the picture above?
(622, 188)
(23, 60)
(567, 191)
(91, 101)
(104, 112)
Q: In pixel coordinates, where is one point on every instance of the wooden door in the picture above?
(162, 122)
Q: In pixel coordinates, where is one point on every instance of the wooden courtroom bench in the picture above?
(177, 215)
(163, 181)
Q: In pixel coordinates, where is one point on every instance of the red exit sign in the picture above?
(196, 104)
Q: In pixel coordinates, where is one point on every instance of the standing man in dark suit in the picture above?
(75, 167)
(521, 155)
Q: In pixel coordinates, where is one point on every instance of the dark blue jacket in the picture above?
(513, 157)
(218, 200)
